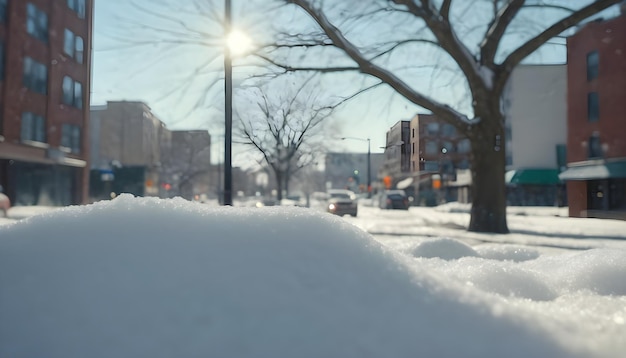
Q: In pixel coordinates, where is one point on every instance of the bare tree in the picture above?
(485, 65)
(186, 161)
(284, 125)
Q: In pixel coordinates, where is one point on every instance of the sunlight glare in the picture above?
(238, 42)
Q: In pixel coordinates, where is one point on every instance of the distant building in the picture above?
(535, 109)
(45, 71)
(349, 170)
(397, 164)
(126, 140)
(441, 152)
(596, 102)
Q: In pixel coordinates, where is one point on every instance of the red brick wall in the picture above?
(577, 197)
(609, 39)
(15, 98)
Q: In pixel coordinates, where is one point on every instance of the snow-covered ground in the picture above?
(161, 278)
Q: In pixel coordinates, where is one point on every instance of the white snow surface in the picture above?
(145, 277)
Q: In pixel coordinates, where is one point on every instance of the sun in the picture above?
(238, 42)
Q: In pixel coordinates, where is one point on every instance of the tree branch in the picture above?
(365, 66)
(533, 44)
(498, 27)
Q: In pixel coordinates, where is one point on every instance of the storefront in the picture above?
(597, 189)
(535, 187)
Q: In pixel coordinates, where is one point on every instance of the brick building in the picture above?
(596, 143)
(441, 152)
(44, 100)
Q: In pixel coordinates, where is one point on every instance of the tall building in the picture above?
(535, 109)
(596, 118)
(126, 144)
(45, 65)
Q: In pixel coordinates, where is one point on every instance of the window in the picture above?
(73, 46)
(433, 128)
(595, 146)
(77, 6)
(593, 62)
(68, 43)
(413, 132)
(464, 146)
(413, 147)
(79, 47)
(36, 22)
(593, 107)
(72, 92)
(35, 76)
(431, 166)
(448, 130)
(431, 147)
(33, 128)
(70, 137)
(3, 10)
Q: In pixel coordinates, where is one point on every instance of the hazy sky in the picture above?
(162, 75)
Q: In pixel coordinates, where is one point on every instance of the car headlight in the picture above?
(331, 207)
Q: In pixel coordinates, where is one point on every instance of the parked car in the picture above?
(342, 202)
(5, 203)
(394, 199)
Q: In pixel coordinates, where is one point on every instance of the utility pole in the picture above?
(228, 111)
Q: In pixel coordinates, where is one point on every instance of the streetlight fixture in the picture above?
(228, 111)
(236, 43)
(369, 163)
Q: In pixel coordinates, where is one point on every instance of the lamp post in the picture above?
(369, 163)
(228, 112)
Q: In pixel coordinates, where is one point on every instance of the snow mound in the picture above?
(142, 277)
(601, 271)
(444, 248)
(507, 253)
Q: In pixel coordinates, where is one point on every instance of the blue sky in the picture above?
(154, 73)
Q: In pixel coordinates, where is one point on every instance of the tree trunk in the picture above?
(488, 212)
(279, 185)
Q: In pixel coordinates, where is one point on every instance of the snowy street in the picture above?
(543, 229)
(162, 278)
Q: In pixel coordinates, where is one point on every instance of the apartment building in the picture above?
(596, 118)
(45, 66)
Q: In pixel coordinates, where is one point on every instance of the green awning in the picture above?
(538, 176)
(595, 171)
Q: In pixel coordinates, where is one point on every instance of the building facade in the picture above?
(45, 71)
(441, 153)
(126, 144)
(535, 108)
(596, 115)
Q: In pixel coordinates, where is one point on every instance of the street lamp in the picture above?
(369, 163)
(228, 112)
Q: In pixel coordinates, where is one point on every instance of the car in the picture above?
(342, 202)
(5, 204)
(394, 199)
